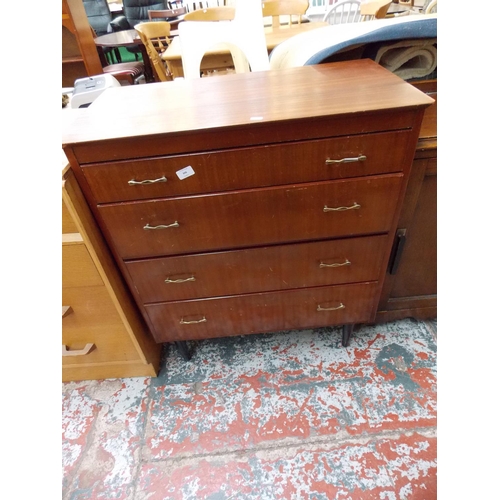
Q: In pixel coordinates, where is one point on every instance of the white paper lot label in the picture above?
(185, 172)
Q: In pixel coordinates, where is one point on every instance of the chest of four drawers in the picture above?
(251, 203)
(257, 239)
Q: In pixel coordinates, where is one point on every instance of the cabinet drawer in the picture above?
(248, 167)
(262, 312)
(252, 217)
(94, 319)
(259, 269)
(78, 269)
(68, 224)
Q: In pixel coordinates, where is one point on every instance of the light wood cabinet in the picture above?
(252, 203)
(103, 334)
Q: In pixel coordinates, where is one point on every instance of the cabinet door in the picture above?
(410, 287)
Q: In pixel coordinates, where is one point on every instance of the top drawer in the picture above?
(242, 168)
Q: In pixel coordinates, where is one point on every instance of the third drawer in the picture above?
(258, 269)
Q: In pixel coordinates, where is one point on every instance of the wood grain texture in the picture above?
(95, 320)
(259, 313)
(215, 104)
(68, 224)
(239, 219)
(258, 270)
(257, 143)
(104, 313)
(271, 165)
(412, 290)
(78, 269)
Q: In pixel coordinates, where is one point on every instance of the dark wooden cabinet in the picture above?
(253, 202)
(410, 285)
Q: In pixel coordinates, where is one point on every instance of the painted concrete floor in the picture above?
(277, 416)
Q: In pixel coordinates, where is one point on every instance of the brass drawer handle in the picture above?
(337, 264)
(174, 224)
(133, 182)
(345, 160)
(202, 320)
(181, 280)
(342, 306)
(77, 352)
(341, 209)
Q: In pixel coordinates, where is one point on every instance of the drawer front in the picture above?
(263, 312)
(248, 167)
(259, 269)
(68, 224)
(78, 268)
(95, 320)
(253, 217)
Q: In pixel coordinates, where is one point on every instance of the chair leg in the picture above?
(183, 350)
(346, 334)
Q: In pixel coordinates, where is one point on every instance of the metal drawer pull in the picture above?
(341, 209)
(346, 263)
(342, 306)
(174, 224)
(133, 182)
(181, 280)
(345, 160)
(77, 352)
(202, 320)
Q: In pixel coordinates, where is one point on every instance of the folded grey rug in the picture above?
(409, 58)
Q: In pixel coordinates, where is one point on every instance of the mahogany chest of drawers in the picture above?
(254, 202)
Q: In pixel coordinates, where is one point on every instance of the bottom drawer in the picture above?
(262, 312)
(94, 320)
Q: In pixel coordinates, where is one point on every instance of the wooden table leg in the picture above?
(148, 70)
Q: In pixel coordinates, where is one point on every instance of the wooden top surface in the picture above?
(274, 36)
(238, 100)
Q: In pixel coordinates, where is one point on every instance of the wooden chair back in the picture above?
(211, 14)
(155, 35)
(293, 10)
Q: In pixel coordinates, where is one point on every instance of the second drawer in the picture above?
(258, 269)
(240, 219)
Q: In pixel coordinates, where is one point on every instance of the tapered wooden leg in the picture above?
(346, 334)
(183, 350)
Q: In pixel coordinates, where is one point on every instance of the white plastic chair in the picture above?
(317, 9)
(432, 7)
(347, 11)
(243, 37)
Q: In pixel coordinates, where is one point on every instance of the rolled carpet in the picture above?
(409, 58)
